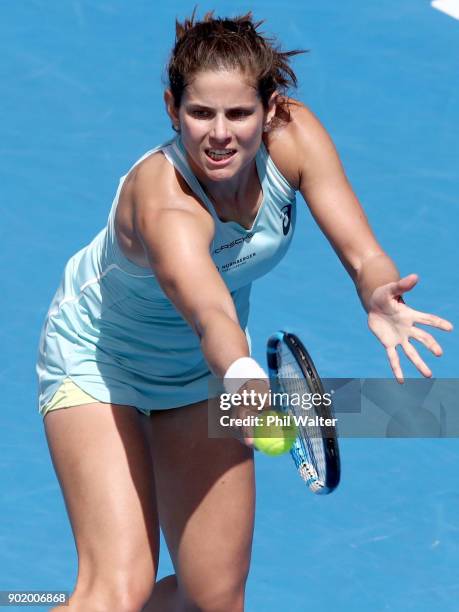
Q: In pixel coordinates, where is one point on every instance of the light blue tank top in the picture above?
(111, 328)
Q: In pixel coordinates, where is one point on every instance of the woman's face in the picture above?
(221, 119)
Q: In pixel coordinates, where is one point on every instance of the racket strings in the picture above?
(292, 382)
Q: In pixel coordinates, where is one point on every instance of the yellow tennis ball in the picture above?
(275, 434)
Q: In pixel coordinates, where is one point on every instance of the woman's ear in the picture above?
(272, 107)
(172, 111)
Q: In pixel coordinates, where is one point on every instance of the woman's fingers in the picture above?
(412, 354)
(430, 319)
(395, 363)
(427, 340)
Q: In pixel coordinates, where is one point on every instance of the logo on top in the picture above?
(286, 216)
(230, 245)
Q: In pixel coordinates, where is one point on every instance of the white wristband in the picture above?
(241, 371)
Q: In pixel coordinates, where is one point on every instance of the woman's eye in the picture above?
(201, 114)
(240, 114)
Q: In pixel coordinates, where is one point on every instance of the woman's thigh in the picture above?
(206, 502)
(101, 456)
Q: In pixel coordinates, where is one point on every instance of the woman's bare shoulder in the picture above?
(155, 177)
(288, 142)
(156, 182)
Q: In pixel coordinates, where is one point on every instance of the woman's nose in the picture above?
(220, 128)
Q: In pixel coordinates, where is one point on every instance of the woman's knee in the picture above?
(124, 592)
(221, 595)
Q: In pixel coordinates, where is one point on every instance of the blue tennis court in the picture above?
(82, 100)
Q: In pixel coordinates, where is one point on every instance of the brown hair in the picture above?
(221, 43)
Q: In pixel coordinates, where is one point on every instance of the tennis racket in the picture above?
(315, 451)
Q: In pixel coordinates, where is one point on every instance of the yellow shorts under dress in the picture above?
(68, 394)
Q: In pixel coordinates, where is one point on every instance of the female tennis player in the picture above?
(159, 300)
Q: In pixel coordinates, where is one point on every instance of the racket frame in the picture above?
(314, 384)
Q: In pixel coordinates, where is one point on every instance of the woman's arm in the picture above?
(335, 207)
(324, 186)
(176, 237)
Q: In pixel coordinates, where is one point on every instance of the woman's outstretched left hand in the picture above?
(393, 323)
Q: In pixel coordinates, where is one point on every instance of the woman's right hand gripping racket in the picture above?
(315, 451)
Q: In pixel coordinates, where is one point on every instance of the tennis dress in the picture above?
(112, 330)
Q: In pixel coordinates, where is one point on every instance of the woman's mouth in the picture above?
(220, 155)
